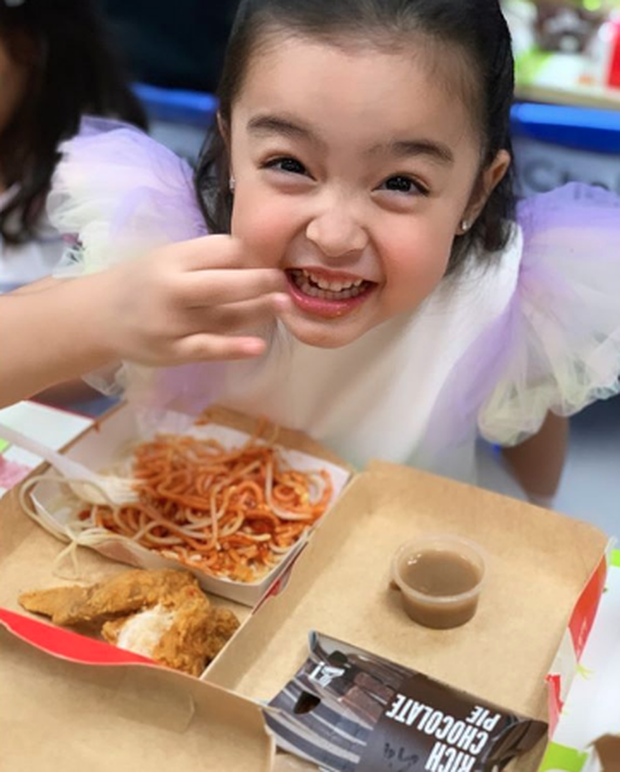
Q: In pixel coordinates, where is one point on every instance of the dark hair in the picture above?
(475, 28)
(70, 72)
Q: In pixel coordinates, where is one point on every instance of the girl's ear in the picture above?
(491, 176)
(224, 129)
(494, 173)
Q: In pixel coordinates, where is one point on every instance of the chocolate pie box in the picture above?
(540, 564)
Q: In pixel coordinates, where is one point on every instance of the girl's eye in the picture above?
(289, 165)
(407, 185)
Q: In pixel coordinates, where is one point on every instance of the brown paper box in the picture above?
(539, 562)
(58, 715)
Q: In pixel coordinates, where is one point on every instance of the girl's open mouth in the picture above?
(325, 296)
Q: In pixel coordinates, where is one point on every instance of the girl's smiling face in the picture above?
(353, 170)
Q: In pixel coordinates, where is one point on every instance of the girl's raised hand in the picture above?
(187, 302)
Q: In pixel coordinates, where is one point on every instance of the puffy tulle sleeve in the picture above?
(557, 345)
(117, 194)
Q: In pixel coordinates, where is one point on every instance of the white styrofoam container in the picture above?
(102, 446)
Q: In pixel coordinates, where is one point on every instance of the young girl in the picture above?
(54, 68)
(370, 268)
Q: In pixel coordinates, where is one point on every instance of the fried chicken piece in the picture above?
(163, 615)
(184, 632)
(225, 626)
(117, 596)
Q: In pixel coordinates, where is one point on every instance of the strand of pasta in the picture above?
(232, 513)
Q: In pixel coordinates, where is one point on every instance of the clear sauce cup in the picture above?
(440, 578)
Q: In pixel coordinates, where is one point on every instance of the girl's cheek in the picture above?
(260, 222)
(416, 267)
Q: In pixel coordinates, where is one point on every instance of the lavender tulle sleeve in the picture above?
(557, 345)
(117, 194)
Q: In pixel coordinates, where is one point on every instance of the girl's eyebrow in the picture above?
(405, 148)
(265, 124)
(283, 126)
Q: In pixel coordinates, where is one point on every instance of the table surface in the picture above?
(51, 426)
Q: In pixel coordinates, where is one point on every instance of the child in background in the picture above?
(55, 67)
(370, 269)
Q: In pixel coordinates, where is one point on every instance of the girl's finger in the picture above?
(215, 252)
(206, 347)
(234, 317)
(221, 287)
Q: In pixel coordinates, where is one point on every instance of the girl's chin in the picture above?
(324, 333)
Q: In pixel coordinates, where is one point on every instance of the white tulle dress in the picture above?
(489, 352)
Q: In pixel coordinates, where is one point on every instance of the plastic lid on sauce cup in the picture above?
(436, 601)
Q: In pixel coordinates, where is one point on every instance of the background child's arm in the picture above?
(68, 392)
(47, 337)
(537, 463)
(183, 303)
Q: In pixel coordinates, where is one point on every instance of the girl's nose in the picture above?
(336, 233)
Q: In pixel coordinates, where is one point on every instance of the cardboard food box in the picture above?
(66, 713)
(100, 449)
(70, 702)
(29, 554)
(111, 709)
(586, 732)
(539, 563)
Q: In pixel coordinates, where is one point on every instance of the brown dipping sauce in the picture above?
(440, 573)
(444, 584)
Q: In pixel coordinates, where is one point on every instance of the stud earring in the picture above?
(231, 184)
(465, 226)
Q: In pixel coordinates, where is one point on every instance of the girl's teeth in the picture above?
(331, 286)
(352, 291)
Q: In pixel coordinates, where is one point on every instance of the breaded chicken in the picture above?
(117, 596)
(185, 634)
(163, 615)
(225, 626)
